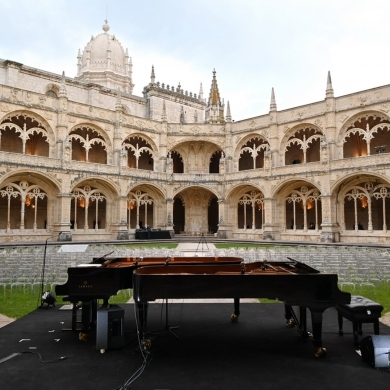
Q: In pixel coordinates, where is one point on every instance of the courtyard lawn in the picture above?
(20, 302)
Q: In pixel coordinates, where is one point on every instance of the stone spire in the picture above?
(214, 98)
(329, 88)
(152, 76)
(62, 91)
(164, 113)
(228, 115)
(201, 92)
(79, 63)
(272, 106)
(214, 109)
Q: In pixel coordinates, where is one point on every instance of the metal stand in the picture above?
(203, 243)
(167, 328)
(40, 298)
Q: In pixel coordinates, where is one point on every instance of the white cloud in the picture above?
(253, 45)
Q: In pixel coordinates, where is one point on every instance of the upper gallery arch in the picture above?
(250, 152)
(26, 132)
(141, 152)
(365, 134)
(89, 144)
(301, 144)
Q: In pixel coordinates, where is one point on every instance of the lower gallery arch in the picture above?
(300, 206)
(145, 207)
(26, 204)
(250, 211)
(195, 211)
(89, 207)
(364, 204)
(246, 212)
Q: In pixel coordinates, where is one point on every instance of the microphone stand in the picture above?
(40, 302)
(202, 242)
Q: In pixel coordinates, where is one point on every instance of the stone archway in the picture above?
(195, 211)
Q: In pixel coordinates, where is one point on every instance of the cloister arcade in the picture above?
(29, 203)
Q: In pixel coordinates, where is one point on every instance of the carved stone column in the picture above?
(271, 228)
(61, 222)
(224, 228)
(169, 217)
(119, 225)
(329, 226)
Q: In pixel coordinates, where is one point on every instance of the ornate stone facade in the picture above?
(83, 158)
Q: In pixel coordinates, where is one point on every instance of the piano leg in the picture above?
(316, 320)
(303, 322)
(88, 318)
(74, 316)
(293, 320)
(236, 314)
(288, 315)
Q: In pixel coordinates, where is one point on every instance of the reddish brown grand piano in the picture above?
(105, 276)
(292, 282)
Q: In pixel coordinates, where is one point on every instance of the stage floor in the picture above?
(209, 352)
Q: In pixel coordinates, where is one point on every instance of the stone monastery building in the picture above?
(85, 157)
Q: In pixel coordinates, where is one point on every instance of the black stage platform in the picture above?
(258, 352)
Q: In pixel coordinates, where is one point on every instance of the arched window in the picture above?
(252, 154)
(250, 211)
(88, 145)
(88, 209)
(24, 205)
(24, 134)
(140, 210)
(367, 135)
(140, 153)
(303, 209)
(303, 146)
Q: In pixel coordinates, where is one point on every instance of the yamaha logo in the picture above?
(85, 285)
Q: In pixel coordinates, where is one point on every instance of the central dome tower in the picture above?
(105, 62)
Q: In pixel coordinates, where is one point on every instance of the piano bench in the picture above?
(361, 310)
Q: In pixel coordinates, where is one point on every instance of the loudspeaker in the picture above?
(110, 328)
(375, 351)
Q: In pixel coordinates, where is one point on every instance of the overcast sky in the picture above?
(253, 45)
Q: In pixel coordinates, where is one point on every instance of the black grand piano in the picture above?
(292, 282)
(105, 276)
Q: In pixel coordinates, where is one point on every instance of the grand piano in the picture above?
(292, 282)
(105, 276)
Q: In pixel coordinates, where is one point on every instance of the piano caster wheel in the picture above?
(146, 344)
(320, 352)
(83, 337)
(102, 350)
(290, 323)
(234, 318)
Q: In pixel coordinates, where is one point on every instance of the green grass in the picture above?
(18, 303)
(379, 293)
